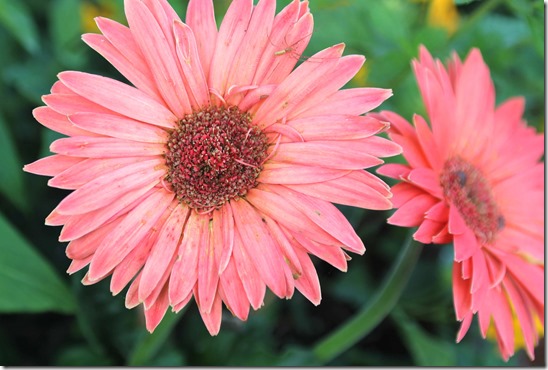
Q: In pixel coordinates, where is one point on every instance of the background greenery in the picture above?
(49, 318)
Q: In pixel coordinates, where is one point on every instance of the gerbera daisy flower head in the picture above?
(212, 176)
(474, 178)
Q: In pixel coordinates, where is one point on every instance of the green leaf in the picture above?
(65, 29)
(28, 283)
(425, 349)
(81, 356)
(16, 18)
(11, 175)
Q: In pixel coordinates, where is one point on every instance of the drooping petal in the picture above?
(185, 270)
(260, 246)
(162, 251)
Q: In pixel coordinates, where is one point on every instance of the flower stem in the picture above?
(148, 347)
(378, 308)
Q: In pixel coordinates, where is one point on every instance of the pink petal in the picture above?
(337, 127)
(529, 276)
(428, 144)
(260, 246)
(80, 225)
(456, 222)
(357, 189)
(189, 62)
(480, 278)
(287, 215)
(246, 60)
(465, 245)
(223, 232)
(439, 212)
(119, 127)
(104, 147)
(427, 230)
(88, 170)
(107, 188)
(67, 104)
(119, 97)
(502, 317)
(123, 41)
(87, 245)
(286, 247)
(208, 273)
(200, 17)
(155, 293)
(52, 165)
(346, 155)
(292, 91)
(403, 192)
(426, 179)
(255, 96)
(325, 215)
(185, 270)
(286, 173)
(330, 254)
(132, 298)
(134, 261)
(332, 81)
(233, 290)
(308, 282)
(58, 122)
(380, 147)
(349, 101)
(412, 150)
(135, 70)
(212, 319)
(156, 312)
(77, 265)
(160, 56)
(524, 316)
(291, 32)
(163, 250)
(412, 213)
(252, 282)
(129, 233)
(465, 325)
(231, 33)
(461, 293)
(394, 170)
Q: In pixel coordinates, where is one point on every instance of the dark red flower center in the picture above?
(214, 155)
(466, 188)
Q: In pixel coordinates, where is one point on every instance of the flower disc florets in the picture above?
(467, 189)
(214, 155)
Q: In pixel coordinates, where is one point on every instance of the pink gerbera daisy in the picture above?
(474, 178)
(212, 177)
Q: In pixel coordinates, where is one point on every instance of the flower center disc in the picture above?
(466, 188)
(214, 155)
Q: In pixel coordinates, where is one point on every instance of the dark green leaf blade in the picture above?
(27, 281)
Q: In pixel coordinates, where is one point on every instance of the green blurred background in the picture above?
(49, 318)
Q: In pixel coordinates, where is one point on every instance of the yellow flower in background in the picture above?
(91, 9)
(360, 78)
(443, 13)
(519, 340)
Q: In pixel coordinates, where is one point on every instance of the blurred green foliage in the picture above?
(49, 318)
